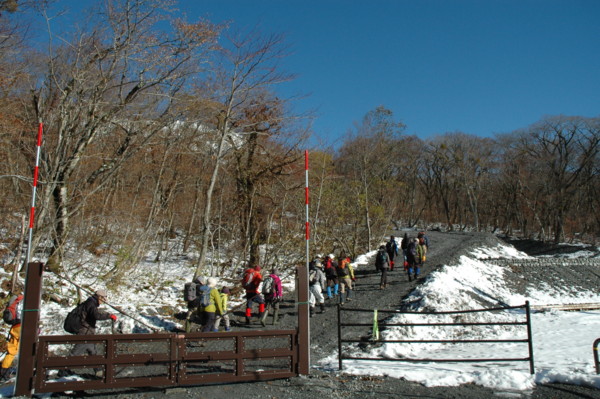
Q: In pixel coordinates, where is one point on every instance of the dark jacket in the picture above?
(91, 314)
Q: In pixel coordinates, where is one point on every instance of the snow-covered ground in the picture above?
(562, 341)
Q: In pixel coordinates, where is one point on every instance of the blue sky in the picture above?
(475, 66)
(479, 67)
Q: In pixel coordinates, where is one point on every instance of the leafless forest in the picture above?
(161, 131)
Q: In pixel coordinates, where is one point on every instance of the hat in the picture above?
(212, 282)
(382, 247)
(318, 263)
(101, 293)
(225, 290)
(198, 280)
(257, 268)
(332, 256)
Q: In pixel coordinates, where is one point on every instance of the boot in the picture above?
(4, 374)
(341, 298)
(322, 307)
(188, 322)
(312, 311)
(328, 292)
(276, 316)
(336, 289)
(263, 317)
(409, 278)
(348, 295)
(248, 315)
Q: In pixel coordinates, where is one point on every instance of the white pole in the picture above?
(35, 180)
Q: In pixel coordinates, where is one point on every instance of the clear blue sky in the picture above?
(476, 66)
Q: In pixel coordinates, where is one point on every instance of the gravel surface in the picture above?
(445, 248)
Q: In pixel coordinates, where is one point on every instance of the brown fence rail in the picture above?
(165, 359)
(382, 324)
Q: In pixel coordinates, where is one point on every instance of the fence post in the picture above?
(529, 338)
(339, 328)
(29, 329)
(596, 361)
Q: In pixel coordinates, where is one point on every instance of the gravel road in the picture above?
(445, 248)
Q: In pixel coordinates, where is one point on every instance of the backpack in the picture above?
(10, 314)
(247, 280)
(189, 292)
(380, 259)
(268, 286)
(312, 276)
(73, 321)
(203, 294)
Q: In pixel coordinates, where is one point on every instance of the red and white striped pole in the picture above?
(307, 234)
(306, 203)
(35, 180)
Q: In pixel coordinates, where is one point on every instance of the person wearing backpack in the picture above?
(224, 306)
(191, 293)
(12, 316)
(316, 285)
(251, 283)
(210, 307)
(332, 277)
(404, 247)
(272, 291)
(391, 247)
(345, 281)
(382, 264)
(89, 314)
(413, 259)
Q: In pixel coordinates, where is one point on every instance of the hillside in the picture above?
(445, 249)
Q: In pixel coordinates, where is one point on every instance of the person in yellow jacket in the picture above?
(12, 347)
(225, 316)
(210, 312)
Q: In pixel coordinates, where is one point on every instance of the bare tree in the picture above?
(115, 81)
(248, 68)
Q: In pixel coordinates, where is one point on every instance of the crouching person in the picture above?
(88, 314)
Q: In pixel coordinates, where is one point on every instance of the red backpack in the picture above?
(10, 314)
(248, 277)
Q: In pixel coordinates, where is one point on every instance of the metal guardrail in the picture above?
(166, 359)
(526, 323)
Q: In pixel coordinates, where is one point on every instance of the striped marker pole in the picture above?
(35, 180)
(306, 203)
(307, 234)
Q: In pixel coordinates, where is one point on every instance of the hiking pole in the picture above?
(111, 306)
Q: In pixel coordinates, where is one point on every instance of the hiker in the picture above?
(331, 275)
(423, 240)
(224, 298)
(316, 285)
(15, 308)
(391, 247)
(382, 264)
(87, 326)
(404, 247)
(273, 294)
(208, 313)
(191, 294)
(412, 257)
(352, 275)
(343, 272)
(251, 283)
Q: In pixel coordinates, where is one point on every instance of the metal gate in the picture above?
(158, 360)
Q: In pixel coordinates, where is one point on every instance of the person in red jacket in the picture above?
(251, 283)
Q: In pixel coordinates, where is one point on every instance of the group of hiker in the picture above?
(329, 278)
(209, 306)
(414, 255)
